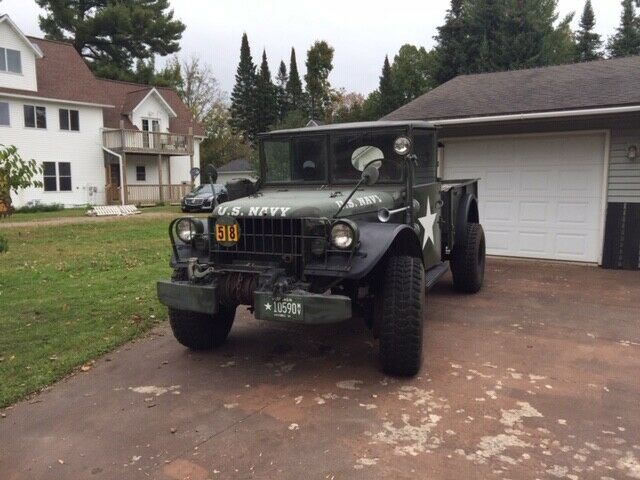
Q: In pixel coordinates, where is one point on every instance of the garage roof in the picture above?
(581, 86)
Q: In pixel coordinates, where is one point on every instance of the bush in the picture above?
(36, 206)
(4, 245)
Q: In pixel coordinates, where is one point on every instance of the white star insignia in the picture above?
(427, 223)
(267, 306)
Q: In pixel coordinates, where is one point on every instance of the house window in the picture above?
(50, 181)
(69, 119)
(141, 173)
(57, 182)
(4, 114)
(35, 117)
(64, 176)
(10, 60)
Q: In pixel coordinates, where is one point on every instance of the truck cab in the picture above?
(347, 220)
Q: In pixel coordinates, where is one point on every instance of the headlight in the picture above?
(402, 145)
(188, 228)
(344, 234)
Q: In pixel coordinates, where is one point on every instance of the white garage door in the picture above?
(540, 197)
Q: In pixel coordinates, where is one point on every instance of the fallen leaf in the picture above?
(85, 368)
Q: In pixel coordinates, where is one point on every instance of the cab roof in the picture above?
(354, 126)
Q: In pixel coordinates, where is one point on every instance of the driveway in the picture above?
(535, 377)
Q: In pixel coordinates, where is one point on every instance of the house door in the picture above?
(149, 125)
(113, 187)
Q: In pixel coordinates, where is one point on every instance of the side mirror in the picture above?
(370, 175)
(212, 173)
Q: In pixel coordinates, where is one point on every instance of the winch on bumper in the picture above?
(297, 306)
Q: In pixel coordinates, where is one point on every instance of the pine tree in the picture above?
(281, 91)
(388, 93)
(294, 85)
(243, 101)
(113, 35)
(626, 41)
(588, 43)
(413, 71)
(450, 50)
(266, 100)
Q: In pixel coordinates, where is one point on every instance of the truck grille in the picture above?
(285, 241)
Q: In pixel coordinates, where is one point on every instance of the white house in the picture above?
(99, 141)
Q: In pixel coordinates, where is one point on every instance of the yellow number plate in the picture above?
(227, 234)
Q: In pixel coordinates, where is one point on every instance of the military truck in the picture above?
(348, 220)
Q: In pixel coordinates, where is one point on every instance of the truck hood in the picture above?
(309, 202)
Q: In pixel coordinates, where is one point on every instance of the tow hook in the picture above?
(197, 271)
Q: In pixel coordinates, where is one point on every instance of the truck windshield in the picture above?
(302, 159)
(306, 159)
(351, 152)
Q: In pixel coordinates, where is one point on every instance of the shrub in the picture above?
(36, 206)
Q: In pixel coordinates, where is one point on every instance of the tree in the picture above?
(413, 72)
(196, 85)
(112, 35)
(294, 85)
(243, 105)
(266, 98)
(222, 143)
(345, 107)
(588, 43)
(626, 40)
(450, 51)
(15, 174)
(319, 65)
(282, 100)
(388, 94)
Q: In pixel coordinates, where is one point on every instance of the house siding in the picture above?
(151, 108)
(83, 149)
(27, 80)
(624, 174)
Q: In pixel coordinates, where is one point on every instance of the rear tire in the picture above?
(468, 260)
(201, 331)
(401, 325)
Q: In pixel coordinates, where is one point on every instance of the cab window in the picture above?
(296, 160)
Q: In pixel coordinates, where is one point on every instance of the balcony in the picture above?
(157, 143)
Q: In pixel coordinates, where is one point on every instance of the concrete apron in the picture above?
(535, 377)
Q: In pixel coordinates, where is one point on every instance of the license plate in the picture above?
(285, 308)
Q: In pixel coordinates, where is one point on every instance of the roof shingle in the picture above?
(598, 84)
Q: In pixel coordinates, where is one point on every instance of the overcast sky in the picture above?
(361, 32)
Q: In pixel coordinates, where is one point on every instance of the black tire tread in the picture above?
(401, 328)
(464, 266)
(201, 331)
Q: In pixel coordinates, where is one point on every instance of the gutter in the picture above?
(121, 172)
(538, 115)
(54, 100)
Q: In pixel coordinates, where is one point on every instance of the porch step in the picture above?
(113, 210)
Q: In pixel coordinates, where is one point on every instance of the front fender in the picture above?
(376, 239)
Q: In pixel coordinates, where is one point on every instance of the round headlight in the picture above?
(402, 145)
(188, 228)
(343, 235)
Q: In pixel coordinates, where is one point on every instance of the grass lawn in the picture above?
(69, 293)
(73, 212)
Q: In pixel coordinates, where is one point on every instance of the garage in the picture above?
(557, 150)
(541, 196)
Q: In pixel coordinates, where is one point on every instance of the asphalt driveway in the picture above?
(535, 377)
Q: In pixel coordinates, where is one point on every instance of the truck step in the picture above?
(435, 273)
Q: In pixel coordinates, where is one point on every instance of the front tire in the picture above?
(201, 331)
(401, 323)
(468, 260)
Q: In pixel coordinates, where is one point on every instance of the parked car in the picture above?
(204, 198)
(363, 230)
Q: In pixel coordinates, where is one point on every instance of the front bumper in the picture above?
(314, 309)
